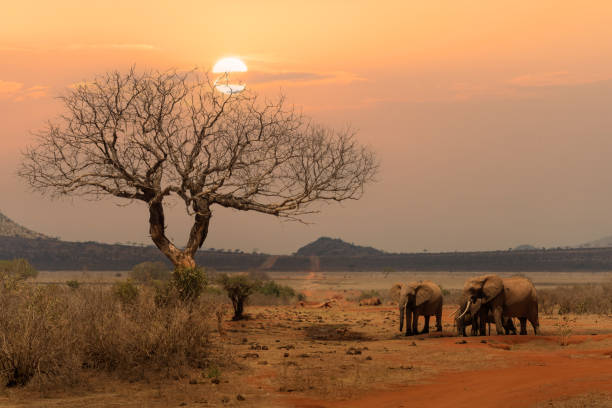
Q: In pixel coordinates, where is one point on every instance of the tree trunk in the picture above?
(157, 228)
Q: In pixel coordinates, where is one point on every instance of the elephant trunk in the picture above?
(466, 308)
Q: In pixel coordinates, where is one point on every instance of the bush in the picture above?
(38, 336)
(238, 289)
(366, 294)
(125, 291)
(271, 288)
(577, 299)
(15, 271)
(188, 282)
(146, 272)
(49, 334)
(73, 284)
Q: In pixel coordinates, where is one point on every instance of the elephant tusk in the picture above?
(466, 309)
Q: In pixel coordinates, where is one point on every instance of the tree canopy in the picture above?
(152, 135)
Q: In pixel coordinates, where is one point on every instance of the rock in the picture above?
(286, 355)
(461, 342)
(193, 381)
(239, 397)
(369, 358)
(215, 381)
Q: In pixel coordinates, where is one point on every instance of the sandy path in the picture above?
(535, 377)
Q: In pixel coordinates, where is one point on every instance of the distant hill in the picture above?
(54, 254)
(605, 242)
(525, 247)
(325, 246)
(9, 228)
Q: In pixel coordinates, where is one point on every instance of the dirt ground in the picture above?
(308, 356)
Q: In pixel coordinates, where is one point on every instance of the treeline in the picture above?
(49, 254)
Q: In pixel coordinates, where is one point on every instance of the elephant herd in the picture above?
(488, 299)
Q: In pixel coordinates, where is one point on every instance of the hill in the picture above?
(325, 246)
(9, 228)
(605, 242)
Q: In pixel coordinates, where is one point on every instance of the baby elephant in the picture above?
(471, 316)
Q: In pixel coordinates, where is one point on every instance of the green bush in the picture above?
(188, 282)
(271, 288)
(73, 284)
(146, 272)
(238, 289)
(125, 291)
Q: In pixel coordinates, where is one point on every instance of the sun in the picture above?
(229, 64)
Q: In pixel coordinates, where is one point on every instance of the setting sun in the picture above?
(230, 64)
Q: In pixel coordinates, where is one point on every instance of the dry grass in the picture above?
(592, 298)
(48, 334)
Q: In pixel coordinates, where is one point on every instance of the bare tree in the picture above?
(149, 136)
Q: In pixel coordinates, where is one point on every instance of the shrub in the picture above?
(38, 336)
(271, 288)
(578, 299)
(238, 289)
(188, 282)
(15, 271)
(73, 284)
(49, 334)
(125, 291)
(366, 294)
(146, 272)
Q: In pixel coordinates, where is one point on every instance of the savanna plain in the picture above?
(321, 349)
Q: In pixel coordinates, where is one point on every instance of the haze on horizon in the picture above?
(491, 119)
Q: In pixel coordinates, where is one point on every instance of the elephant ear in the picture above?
(493, 286)
(423, 294)
(394, 292)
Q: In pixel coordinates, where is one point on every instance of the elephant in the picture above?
(510, 297)
(472, 317)
(422, 298)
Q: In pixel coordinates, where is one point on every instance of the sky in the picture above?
(492, 120)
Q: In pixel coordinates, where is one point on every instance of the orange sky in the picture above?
(491, 118)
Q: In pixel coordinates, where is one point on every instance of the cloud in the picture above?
(16, 91)
(554, 78)
(297, 78)
(9, 89)
(121, 47)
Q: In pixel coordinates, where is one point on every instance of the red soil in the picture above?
(532, 377)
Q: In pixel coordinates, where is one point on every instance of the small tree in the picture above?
(238, 288)
(155, 135)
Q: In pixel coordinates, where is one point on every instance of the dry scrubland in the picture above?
(93, 346)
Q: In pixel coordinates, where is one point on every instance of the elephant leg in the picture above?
(426, 327)
(497, 314)
(482, 321)
(533, 319)
(415, 323)
(523, 321)
(439, 320)
(408, 322)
